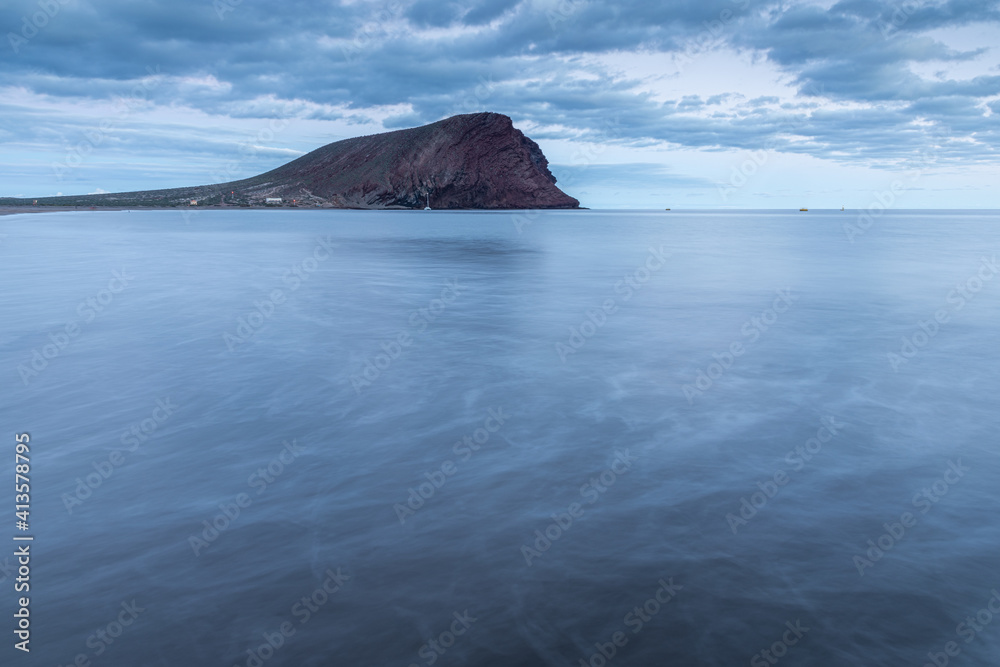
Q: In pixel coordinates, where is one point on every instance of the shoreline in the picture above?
(16, 210)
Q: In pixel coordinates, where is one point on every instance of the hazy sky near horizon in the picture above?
(682, 104)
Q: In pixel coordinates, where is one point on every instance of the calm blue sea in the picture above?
(315, 438)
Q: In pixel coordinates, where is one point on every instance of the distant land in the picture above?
(471, 161)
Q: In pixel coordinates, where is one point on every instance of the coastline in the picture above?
(15, 210)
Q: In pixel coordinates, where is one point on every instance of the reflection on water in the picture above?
(391, 460)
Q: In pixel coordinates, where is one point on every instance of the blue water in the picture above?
(638, 383)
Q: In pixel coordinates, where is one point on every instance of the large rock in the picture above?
(470, 161)
(476, 161)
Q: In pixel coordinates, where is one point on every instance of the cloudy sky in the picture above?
(637, 104)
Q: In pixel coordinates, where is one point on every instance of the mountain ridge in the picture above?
(470, 161)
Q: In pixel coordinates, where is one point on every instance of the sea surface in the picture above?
(315, 438)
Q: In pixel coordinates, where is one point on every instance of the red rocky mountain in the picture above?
(477, 161)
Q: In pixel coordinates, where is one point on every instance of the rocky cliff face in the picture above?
(470, 161)
(477, 161)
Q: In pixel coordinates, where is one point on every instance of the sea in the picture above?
(519, 438)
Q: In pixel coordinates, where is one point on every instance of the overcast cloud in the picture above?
(636, 104)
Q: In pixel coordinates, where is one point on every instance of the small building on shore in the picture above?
(272, 201)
